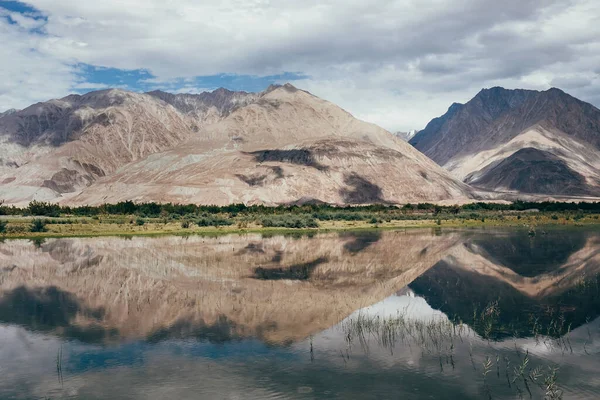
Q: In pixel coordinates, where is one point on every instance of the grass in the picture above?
(127, 225)
(440, 337)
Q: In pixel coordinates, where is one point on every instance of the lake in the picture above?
(411, 314)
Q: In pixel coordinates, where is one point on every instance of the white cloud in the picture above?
(394, 62)
(26, 74)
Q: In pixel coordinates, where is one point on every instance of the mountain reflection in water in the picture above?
(352, 315)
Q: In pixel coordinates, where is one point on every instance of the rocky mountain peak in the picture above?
(498, 122)
(8, 112)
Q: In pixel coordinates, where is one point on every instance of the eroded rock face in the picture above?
(62, 146)
(288, 147)
(274, 147)
(530, 170)
(479, 141)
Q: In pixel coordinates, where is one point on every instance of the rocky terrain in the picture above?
(519, 141)
(280, 146)
(57, 148)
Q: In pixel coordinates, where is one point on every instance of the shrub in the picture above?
(2, 226)
(38, 225)
(185, 224)
(290, 221)
(373, 220)
(554, 217)
(213, 221)
(42, 208)
(140, 221)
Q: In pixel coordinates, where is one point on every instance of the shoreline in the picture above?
(75, 230)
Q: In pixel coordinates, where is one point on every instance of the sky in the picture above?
(396, 63)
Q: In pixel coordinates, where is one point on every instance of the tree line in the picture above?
(320, 211)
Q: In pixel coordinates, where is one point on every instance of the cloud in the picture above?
(394, 62)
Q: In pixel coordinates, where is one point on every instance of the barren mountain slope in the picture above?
(289, 146)
(207, 107)
(60, 146)
(473, 139)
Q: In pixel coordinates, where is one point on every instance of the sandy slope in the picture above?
(290, 146)
(280, 146)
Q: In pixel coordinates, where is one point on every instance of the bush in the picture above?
(2, 226)
(185, 224)
(289, 221)
(38, 225)
(554, 217)
(42, 208)
(578, 217)
(213, 221)
(373, 220)
(140, 221)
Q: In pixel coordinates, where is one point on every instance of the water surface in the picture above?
(370, 315)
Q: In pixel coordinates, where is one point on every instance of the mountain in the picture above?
(283, 145)
(208, 107)
(519, 141)
(8, 112)
(58, 147)
(406, 136)
(287, 146)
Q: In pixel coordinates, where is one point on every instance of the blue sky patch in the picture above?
(92, 77)
(17, 6)
(141, 80)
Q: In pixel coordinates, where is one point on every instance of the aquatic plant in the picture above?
(437, 337)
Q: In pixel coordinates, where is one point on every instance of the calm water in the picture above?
(378, 315)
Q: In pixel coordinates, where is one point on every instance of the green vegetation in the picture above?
(208, 220)
(322, 212)
(290, 221)
(38, 225)
(2, 227)
(451, 342)
(129, 217)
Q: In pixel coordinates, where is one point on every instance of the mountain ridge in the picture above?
(497, 122)
(110, 144)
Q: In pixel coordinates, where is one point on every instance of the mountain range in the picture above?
(287, 146)
(280, 146)
(519, 141)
